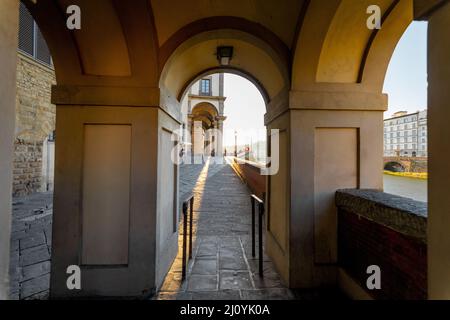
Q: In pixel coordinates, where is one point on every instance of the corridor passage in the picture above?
(222, 266)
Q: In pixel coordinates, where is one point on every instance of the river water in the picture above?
(406, 187)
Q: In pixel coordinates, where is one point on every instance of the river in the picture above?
(406, 187)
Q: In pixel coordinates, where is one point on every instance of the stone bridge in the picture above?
(408, 164)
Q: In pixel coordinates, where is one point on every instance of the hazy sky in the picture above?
(406, 80)
(405, 83)
(244, 108)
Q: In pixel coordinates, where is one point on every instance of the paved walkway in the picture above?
(222, 266)
(31, 247)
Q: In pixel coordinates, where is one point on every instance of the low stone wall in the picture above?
(250, 173)
(375, 228)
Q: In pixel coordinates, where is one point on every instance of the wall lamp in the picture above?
(224, 55)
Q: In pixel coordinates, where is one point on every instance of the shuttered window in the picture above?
(42, 51)
(26, 31)
(31, 40)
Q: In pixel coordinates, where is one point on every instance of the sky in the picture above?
(405, 83)
(244, 109)
(406, 80)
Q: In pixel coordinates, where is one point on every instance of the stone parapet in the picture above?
(406, 216)
(387, 231)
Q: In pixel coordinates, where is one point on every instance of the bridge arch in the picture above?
(394, 166)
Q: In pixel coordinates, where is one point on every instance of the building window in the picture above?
(31, 40)
(205, 87)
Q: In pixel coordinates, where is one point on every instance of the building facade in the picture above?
(406, 135)
(35, 115)
(203, 114)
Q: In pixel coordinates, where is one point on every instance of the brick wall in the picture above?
(402, 259)
(35, 120)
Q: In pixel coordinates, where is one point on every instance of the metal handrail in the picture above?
(187, 204)
(257, 201)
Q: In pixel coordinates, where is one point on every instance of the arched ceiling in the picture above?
(299, 44)
(341, 55)
(206, 113)
(336, 51)
(93, 43)
(198, 54)
(205, 108)
(116, 45)
(278, 16)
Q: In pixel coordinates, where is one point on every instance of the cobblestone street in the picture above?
(222, 266)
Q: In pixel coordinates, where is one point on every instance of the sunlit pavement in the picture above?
(222, 266)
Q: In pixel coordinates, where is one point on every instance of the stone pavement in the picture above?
(31, 246)
(222, 266)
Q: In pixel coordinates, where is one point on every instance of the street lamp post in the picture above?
(235, 144)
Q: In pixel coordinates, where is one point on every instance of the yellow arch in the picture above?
(337, 52)
(253, 59)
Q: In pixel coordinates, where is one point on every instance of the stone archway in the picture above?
(394, 166)
(119, 83)
(203, 124)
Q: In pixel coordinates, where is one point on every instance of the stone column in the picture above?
(219, 136)
(9, 16)
(198, 140)
(439, 154)
(115, 207)
(327, 141)
(190, 131)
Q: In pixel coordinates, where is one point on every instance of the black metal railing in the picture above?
(258, 203)
(188, 204)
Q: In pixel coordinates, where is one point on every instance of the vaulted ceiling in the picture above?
(280, 45)
(281, 17)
